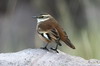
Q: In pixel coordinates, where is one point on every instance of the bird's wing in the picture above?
(54, 34)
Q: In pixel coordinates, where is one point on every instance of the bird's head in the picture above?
(42, 17)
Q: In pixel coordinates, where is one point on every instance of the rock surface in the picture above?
(39, 57)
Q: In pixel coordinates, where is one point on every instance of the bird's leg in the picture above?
(55, 49)
(57, 41)
(45, 47)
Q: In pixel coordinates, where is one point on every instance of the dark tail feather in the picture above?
(69, 44)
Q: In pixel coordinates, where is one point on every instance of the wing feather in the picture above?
(54, 34)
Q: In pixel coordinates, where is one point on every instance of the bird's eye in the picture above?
(41, 17)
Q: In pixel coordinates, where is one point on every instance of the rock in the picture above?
(40, 57)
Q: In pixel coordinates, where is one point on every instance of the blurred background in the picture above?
(79, 18)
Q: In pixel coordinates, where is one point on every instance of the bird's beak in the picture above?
(34, 17)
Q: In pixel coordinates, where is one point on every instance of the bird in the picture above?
(49, 31)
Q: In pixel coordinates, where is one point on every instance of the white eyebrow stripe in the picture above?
(41, 20)
(46, 15)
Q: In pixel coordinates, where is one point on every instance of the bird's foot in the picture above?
(54, 49)
(45, 48)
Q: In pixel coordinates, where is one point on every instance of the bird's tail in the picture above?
(68, 42)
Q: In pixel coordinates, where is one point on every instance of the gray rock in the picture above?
(39, 57)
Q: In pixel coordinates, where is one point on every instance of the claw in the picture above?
(54, 49)
(45, 48)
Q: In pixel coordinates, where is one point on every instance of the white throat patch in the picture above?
(41, 20)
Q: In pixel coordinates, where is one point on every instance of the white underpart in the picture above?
(45, 35)
(41, 20)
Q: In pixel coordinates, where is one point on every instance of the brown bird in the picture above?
(49, 30)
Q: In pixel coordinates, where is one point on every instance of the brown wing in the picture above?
(54, 34)
(63, 35)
